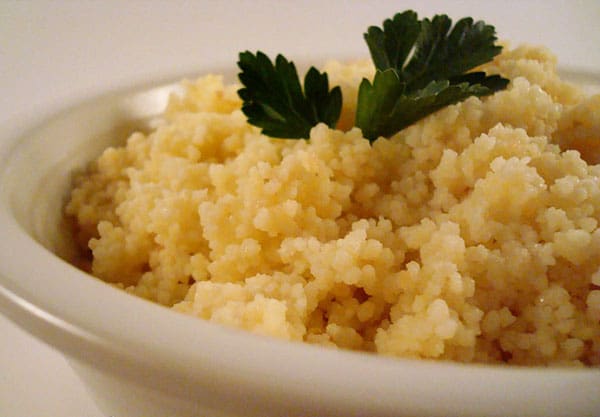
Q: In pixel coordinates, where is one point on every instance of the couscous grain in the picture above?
(471, 235)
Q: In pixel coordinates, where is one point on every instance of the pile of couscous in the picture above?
(471, 235)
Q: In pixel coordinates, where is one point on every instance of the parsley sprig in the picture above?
(421, 67)
(385, 107)
(274, 100)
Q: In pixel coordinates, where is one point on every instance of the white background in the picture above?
(53, 54)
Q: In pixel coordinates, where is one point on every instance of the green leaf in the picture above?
(443, 53)
(422, 66)
(273, 98)
(384, 108)
(493, 82)
(424, 50)
(390, 46)
(374, 112)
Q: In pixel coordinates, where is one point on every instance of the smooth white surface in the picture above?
(54, 54)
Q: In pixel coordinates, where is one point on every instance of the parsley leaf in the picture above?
(439, 52)
(375, 113)
(385, 107)
(273, 98)
(422, 67)
(391, 46)
(444, 53)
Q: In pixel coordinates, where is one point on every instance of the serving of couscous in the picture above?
(472, 235)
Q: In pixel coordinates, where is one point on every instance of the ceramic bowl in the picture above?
(140, 359)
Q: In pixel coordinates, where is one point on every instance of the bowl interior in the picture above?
(39, 169)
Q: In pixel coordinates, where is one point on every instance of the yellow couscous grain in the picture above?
(471, 235)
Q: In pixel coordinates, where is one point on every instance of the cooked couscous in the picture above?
(471, 235)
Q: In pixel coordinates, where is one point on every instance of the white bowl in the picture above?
(140, 359)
